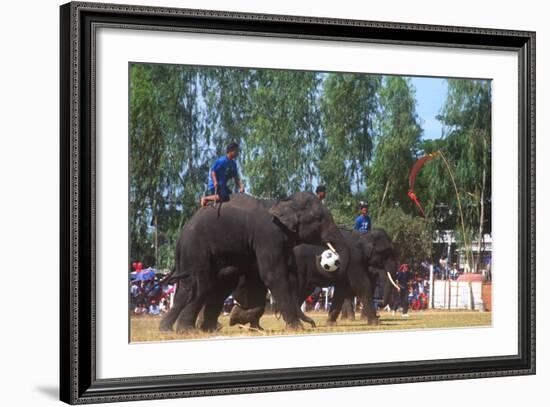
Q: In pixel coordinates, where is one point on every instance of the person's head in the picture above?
(321, 192)
(364, 209)
(232, 151)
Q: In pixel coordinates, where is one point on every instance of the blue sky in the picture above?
(430, 97)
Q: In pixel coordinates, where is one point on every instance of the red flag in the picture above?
(412, 177)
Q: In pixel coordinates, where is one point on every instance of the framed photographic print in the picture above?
(257, 203)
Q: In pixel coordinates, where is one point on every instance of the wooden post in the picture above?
(431, 301)
(156, 243)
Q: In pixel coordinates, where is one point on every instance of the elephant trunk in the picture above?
(335, 241)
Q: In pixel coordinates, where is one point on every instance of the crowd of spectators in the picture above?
(147, 294)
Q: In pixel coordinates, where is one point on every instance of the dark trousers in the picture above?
(402, 298)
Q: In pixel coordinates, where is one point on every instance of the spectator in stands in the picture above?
(140, 309)
(443, 264)
(154, 308)
(318, 306)
(454, 272)
(163, 305)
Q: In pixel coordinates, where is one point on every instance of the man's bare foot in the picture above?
(204, 202)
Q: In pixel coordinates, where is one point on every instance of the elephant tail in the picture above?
(177, 273)
(168, 278)
(174, 276)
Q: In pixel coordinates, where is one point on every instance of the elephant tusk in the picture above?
(393, 282)
(331, 247)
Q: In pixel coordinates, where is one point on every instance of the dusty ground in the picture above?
(145, 328)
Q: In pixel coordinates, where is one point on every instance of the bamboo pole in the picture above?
(468, 251)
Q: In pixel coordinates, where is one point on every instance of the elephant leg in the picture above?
(199, 290)
(276, 279)
(347, 309)
(336, 306)
(367, 298)
(363, 287)
(187, 319)
(369, 312)
(180, 299)
(213, 307)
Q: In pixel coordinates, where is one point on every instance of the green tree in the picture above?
(167, 171)
(349, 104)
(411, 235)
(397, 146)
(283, 130)
(466, 145)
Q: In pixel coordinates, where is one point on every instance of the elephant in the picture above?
(373, 258)
(254, 295)
(249, 237)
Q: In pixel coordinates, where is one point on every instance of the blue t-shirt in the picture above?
(225, 169)
(362, 223)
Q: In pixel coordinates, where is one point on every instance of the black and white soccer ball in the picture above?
(330, 261)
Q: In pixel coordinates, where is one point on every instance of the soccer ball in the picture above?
(330, 261)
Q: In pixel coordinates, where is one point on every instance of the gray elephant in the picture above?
(372, 259)
(246, 237)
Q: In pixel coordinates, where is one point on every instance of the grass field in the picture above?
(145, 328)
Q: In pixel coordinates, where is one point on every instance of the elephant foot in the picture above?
(330, 322)
(185, 328)
(236, 316)
(373, 321)
(294, 326)
(165, 327)
(211, 328)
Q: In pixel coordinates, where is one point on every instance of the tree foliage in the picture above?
(397, 146)
(411, 235)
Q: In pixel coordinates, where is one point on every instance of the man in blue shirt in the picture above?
(363, 222)
(221, 172)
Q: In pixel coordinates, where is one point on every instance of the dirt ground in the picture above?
(145, 328)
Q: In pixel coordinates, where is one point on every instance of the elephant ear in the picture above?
(284, 212)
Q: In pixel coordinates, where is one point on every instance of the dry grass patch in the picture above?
(145, 328)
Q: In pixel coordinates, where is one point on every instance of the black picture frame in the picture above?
(78, 382)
